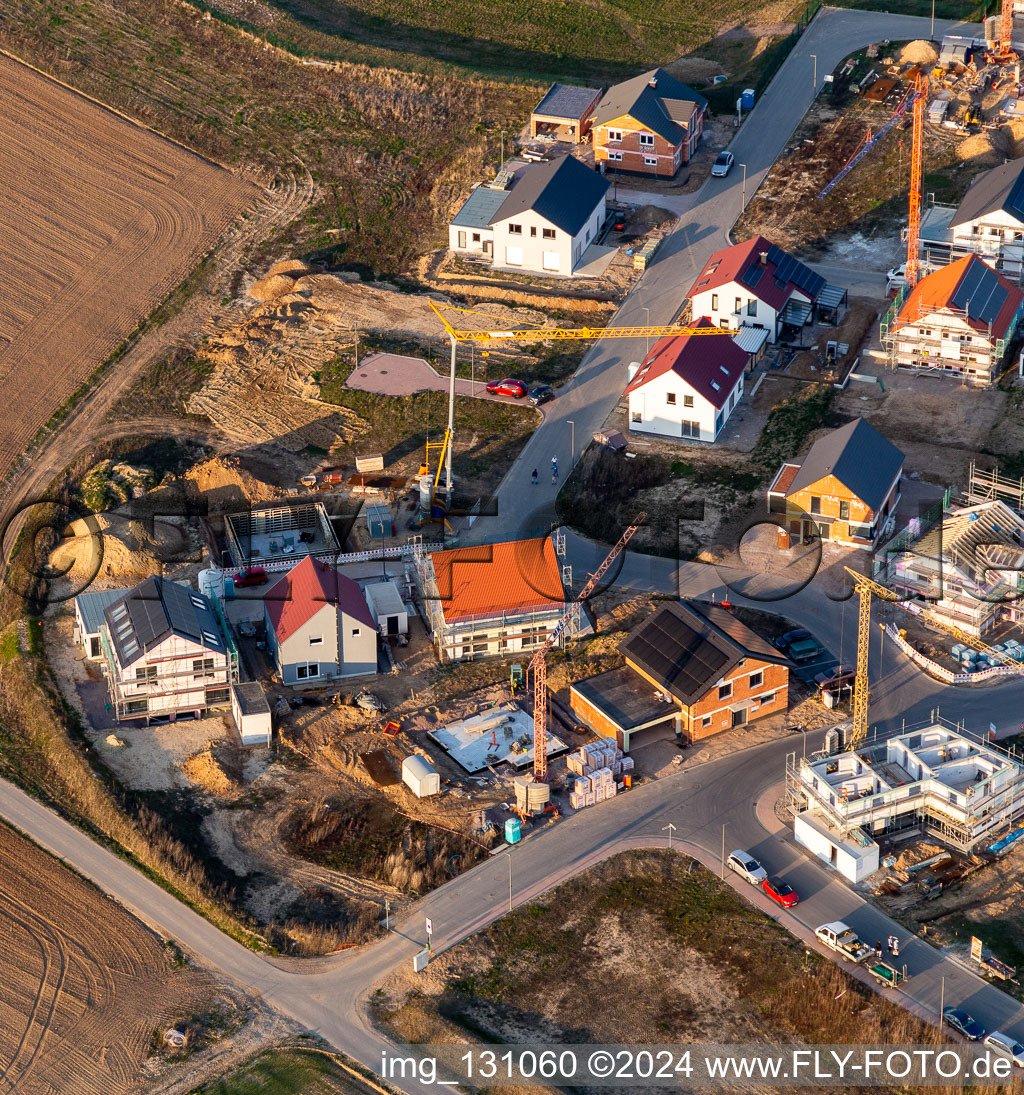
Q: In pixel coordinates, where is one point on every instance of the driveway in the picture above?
(395, 374)
(588, 398)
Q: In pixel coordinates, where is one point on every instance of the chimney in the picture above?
(653, 81)
(764, 258)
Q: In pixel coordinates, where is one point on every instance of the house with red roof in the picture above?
(756, 284)
(687, 386)
(491, 600)
(319, 626)
(957, 321)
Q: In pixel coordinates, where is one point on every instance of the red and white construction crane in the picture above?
(538, 666)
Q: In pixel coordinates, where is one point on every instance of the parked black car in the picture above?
(541, 394)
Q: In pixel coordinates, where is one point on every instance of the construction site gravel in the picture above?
(101, 219)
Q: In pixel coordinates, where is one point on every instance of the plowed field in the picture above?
(84, 985)
(99, 220)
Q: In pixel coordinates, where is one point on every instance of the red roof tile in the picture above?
(727, 265)
(937, 292)
(512, 577)
(700, 360)
(305, 589)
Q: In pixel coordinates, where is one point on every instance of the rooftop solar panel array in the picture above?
(752, 275)
(789, 269)
(979, 293)
(1015, 201)
(675, 654)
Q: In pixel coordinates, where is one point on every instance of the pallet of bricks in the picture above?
(599, 768)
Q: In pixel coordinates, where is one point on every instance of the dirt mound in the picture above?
(225, 482)
(694, 70)
(918, 53)
(114, 550)
(977, 148)
(293, 268)
(213, 769)
(271, 287)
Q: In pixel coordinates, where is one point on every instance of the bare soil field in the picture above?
(84, 985)
(100, 220)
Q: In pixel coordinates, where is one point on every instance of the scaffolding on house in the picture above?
(486, 634)
(177, 689)
(990, 486)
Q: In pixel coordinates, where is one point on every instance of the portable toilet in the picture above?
(513, 830)
(747, 98)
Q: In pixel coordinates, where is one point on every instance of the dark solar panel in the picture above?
(979, 293)
(1015, 201)
(752, 275)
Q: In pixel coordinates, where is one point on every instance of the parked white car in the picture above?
(746, 866)
(720, 168)
(1002, 1045)
(896, 278)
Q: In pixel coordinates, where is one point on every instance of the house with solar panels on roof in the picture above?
(539, 218)
(492, 600)
(988, 222)
(845, 489)
(756, 284)
(166, 652)
(958, 321)
(691, 670)
(687, 386)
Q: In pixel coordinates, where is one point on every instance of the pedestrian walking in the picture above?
(895, 947)
(554, 467)
(534, 480)
(878, 949)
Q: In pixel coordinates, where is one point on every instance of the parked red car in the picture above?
(253, 576)
(782, 893)
(507, 387)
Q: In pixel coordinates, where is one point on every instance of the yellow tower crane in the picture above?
(868, 588)
(532, 334)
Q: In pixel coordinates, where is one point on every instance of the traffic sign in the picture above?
(430, 927)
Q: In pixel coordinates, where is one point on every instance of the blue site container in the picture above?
(513, 831)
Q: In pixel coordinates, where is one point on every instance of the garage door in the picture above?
(513, 256)
(552, 260)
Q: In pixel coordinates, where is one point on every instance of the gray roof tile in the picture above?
(146, 615)
(1002, 188)
(564, 192)
(651, 106)
(864, 461)
(566, 101)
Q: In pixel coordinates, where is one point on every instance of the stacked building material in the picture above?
(599, 768)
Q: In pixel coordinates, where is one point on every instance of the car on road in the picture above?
(838, 674)
(508, 386)
(252, 576)
(1002, 1045)
(896, 278)
(541, 394)
(746, 866)
(966, 1024)
(724, 161)
(794, 636)
(803, 650)
(782, 893)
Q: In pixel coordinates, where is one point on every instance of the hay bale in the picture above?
(919, 53)
(271, 287)
(294, 268)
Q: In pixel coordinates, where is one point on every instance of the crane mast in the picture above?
(538, 665)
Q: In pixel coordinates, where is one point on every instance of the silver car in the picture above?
(720, 168)
(746, 866)
(1002, 1045)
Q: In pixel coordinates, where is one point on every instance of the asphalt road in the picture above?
(330, 996)
(703, 228)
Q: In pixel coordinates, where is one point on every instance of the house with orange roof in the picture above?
(319, 626)
(957, 321)
(491, 600)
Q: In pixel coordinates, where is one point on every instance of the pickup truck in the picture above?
(844, 941)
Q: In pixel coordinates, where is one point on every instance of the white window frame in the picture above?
(650, 161)
(316, 640)
(460, 239)
(687, 400)
(646, 140)
(670, 398)
(757, 678)
(616, 156)
(614, 134)
(302, 672)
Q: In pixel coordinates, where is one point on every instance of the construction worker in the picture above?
(878, 949)
(895, 947)
(534, 478)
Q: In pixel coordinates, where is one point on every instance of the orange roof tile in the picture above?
(512, 577)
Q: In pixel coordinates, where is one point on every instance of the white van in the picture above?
(1002, 1045)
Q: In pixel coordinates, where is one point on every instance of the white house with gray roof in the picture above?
(542, 225)
(166, 652)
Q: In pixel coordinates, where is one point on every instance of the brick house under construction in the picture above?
(492, 600)
(958, 321)
(692, 668)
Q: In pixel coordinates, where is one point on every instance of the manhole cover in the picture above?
(383, 372)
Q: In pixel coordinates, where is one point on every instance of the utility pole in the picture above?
(932, 35)
(670, 829)
(942, 998)
(572, 442)
(723, 852)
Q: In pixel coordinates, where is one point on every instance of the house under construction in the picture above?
(492, 600)
(935, 778)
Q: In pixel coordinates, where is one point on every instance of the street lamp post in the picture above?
(814, 78)
(572, 442)
(743, 189)
(647, 323)
(508, 855)
(670, 829)
(932, 35)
